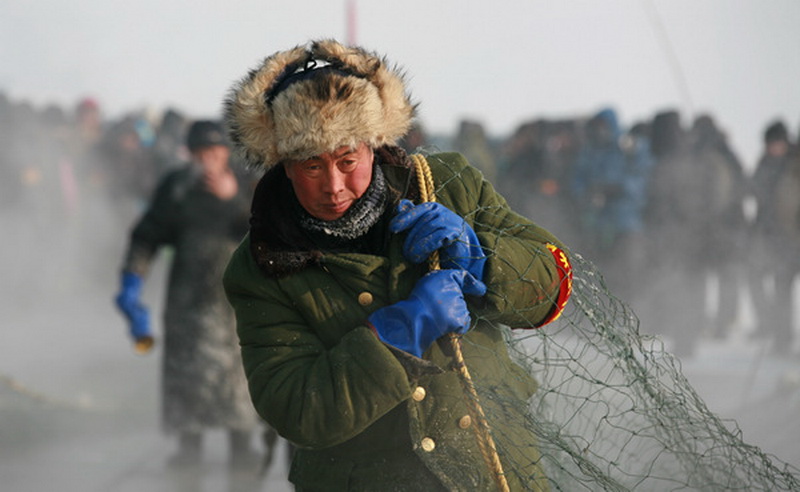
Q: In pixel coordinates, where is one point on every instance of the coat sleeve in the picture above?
(314, 395)
(528, 273)
(154, 229)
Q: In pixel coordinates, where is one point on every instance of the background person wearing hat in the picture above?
(775, 237)
(337, 311)
(201, 212)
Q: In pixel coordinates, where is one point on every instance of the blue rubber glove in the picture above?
(128, 302)
(432, 226)
(435, 307)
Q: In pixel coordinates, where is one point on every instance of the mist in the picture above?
(500, 64)
(79, 409)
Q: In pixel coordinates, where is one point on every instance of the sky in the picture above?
(501, 63)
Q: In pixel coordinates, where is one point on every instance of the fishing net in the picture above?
(614, 411)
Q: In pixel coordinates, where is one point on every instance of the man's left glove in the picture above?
(432, 226)
(128, 301)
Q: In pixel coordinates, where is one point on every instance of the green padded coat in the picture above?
(366, 416)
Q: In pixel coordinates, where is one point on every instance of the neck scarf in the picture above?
(359, 218)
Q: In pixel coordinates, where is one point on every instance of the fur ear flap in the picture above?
(360, 100)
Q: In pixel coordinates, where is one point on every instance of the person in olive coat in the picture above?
(200, 211)
(337, 311)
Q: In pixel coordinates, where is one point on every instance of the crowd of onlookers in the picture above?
(53, 159)
(666, 210)
(72, 182)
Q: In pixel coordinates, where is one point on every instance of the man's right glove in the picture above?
(128, 302)
(431, 226)
(436, 306)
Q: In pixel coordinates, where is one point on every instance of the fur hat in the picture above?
(307, 101)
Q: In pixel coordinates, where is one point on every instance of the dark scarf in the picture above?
(279, 244)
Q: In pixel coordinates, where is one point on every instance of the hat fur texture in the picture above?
(360, 100)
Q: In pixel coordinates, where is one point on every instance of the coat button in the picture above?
(419, 393)
(365, 298)
(465, 421)
(428, 444)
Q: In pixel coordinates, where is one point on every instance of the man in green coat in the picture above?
(337, 311)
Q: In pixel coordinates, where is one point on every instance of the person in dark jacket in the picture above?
(472, 142)
(200, 211)
(721, 217)
(535, 171)
(676, 282)
(337, 307)
(774, 233)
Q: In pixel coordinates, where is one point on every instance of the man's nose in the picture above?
(334, 181)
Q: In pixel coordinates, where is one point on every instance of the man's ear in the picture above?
(286, 166)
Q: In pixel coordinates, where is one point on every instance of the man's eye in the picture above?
(312, 170)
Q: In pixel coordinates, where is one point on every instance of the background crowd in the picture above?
(681, 228)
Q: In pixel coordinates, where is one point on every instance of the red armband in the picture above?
(373, 329)
(564, 270)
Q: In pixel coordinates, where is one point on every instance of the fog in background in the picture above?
(498, 62)
(79, 410)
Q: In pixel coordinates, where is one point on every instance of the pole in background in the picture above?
(352, 35)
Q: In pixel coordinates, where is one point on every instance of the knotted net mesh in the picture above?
(614, 411)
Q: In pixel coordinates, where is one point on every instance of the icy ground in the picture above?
(79, 409)
(741, 379)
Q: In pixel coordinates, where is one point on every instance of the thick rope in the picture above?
(483, 433)
(21, 389)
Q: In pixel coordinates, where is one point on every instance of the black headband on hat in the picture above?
(292, 74)
(345, 95)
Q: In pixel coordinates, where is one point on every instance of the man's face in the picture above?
(777, 148)
(327, 185)
(212, 160)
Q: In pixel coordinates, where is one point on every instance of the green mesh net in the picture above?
(614, 411)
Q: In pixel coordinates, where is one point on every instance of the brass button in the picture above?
(419, 393)
(465, 421)
(365, 298)
(428, 444)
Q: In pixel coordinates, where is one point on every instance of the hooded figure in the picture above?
(337, 311)
(609, 184)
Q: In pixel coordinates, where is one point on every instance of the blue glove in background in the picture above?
(435, 307)
(128, 302)
(432, 226)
